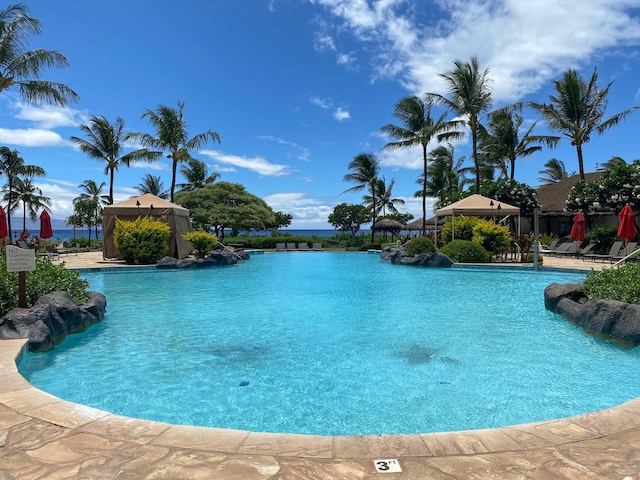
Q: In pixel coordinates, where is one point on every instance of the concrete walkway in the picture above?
(43, 437)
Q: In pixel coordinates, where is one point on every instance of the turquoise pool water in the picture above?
(335, 344)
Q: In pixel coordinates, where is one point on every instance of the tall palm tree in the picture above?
(92, 196)
(13, 167)
(196, 174)
(105, 142)
(30, 196)
(384, 196)
(577, 110)
(419, 128)
(21, 68)
(447, 175)
(554, 172)
(365, 169)
(469, 97)
(172, 136)
(502, 144)
(154, 185)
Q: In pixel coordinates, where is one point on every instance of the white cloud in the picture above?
(256, 164)
(303, 153)
(32, 137)
(223, 169)
(341, 115)
(321, 102)
(525, 44)
(156, 166)
(49, 117)
(345, 59)
(306, 212)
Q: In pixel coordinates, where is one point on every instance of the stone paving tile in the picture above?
(24, 400)
(211, 439)
(469, 442)
(67, 414)
(379, 446)
(311, 446)
(126, 428)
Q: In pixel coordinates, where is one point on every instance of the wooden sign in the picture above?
(20, 259)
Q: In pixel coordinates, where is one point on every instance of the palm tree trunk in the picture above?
(474, 141)
(111, 186)
(173, 177)
(373, 223)
(424, 190)
(580, 161)
(513, 168)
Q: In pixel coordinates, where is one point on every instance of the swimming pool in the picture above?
(335, 344)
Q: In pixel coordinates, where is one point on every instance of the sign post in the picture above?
(21, 260)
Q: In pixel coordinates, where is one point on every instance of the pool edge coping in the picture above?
(25, 399)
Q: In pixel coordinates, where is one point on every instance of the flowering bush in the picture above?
(202, 242)
(513, 193)
(622, 284)
(141, 241)
(494, 238)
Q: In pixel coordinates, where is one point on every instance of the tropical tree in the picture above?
(93, 199)
(281, 220)
(418, 128)
(349, 217)
(447, 175)
(554, 172)
(13, 167)
(501, 142)
(469, 97)
(196, 174)
(74, 220)
(384, 194)
(172, 136)
(154, 185)
(365, 169)
(614, 162)
(105, 142)
(30, 196)
(84, 211)
(20, 67)
(577, 110)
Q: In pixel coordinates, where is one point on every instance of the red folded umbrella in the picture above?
(577, 229)
(627, 226)
(45, 225)
(4, 232)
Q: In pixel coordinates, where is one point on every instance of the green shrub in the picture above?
(603, 237)
(142, 241)
(466, 251)
(461, 227)
(622, 284)
(547, 238)
(46, 278)
(494, 238)
(420, 245)
(202, 242)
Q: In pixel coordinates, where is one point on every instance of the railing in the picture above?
(624, 259)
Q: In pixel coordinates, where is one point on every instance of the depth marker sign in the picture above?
(388, 465)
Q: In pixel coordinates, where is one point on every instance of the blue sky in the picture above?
(297, 88)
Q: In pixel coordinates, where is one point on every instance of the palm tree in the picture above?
(12, 166)
(21, 68)
(502, 144)
(554, 172)
(30, 196)
(154, 185)
(105, 142)
(577, 110)
(93, 199)
(384, 194)
(365, 169)
(614, 162)
(470, 96)
(172, 136)
(419, 128)
(447, 175)
(197, 175)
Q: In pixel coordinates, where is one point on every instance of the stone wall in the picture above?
(610, 317)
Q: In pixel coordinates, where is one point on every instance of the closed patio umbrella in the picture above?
(577, 229)
(4, 232)
(627, 227)
(45, 225)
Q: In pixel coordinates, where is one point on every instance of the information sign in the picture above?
(20, 259)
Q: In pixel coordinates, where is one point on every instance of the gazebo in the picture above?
(478, 206)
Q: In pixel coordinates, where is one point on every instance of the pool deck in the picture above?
(44, 437)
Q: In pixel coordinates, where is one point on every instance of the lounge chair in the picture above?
(317, 247)
(291, 247)
(542, 248)
(303, 247)
(564, 248)
(578, 253)
(280, 247)
(613, 252)
(624, 252)
(50, 252)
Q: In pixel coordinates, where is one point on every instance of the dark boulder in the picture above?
(217, 258)
(397, 256)
(51, 319)
(608, 317)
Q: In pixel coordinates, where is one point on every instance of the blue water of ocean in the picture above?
(335, 344)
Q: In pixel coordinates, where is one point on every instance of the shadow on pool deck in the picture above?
(44, 437)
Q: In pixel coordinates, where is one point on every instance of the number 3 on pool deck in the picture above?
(390, 465)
